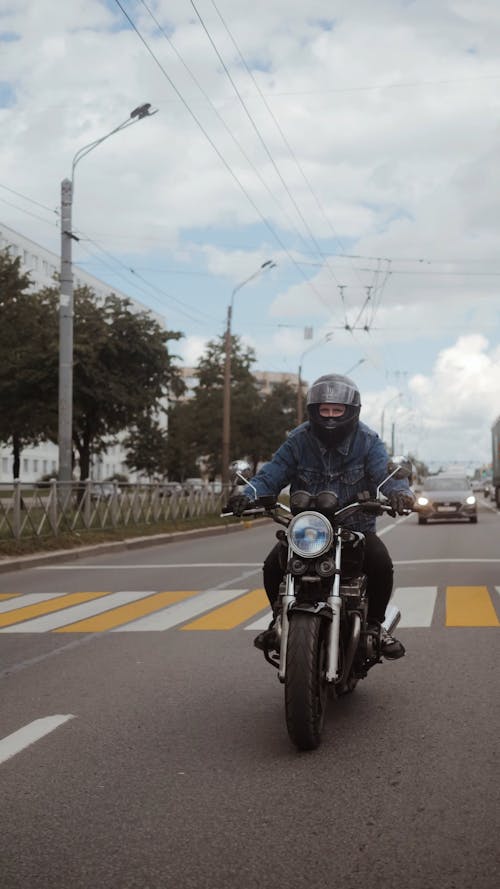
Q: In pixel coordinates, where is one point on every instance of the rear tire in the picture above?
(422, 521)
(305, 682)
(473, 520)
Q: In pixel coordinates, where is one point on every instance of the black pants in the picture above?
(377, 565)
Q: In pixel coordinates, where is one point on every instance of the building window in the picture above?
(53, 465)
(44, 467)
(5, 464)
(35, 465)
(25, 465)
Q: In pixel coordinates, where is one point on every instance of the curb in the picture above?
(17, 563)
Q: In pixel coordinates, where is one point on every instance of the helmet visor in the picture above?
(333, 392)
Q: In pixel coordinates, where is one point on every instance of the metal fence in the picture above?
(47, 510)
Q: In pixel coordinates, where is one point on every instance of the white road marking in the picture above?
(142, 567)
(179, 613)
(77, 612)
(416, 604)
(262, 623)
(30, 733)
(30, 599)
(441, 561)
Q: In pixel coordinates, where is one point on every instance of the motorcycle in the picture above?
(323, 643)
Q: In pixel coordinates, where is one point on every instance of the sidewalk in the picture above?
(16, 563)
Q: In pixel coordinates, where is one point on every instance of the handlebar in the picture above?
(369, 506)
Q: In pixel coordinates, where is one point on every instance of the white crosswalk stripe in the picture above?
(76, 612)
(41, 612)
(416, 604)
(180, 613)
(29, 599)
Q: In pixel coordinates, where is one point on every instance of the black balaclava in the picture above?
(333, 389)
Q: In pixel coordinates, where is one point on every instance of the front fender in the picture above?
(313, 608)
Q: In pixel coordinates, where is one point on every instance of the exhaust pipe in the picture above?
(392, 618)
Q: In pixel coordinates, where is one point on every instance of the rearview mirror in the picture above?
(240, 471)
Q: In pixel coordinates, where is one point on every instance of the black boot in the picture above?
(268, 640)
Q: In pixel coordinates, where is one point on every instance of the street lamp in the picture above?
(226, 404)
(300, 411)
(361, 361)
(395, 397)
(65, 406)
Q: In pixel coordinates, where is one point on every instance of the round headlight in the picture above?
(422, 501)
(470, 500)
(310, 534)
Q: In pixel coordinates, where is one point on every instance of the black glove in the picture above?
(238, 503)
(400, 501)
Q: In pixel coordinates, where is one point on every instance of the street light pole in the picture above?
(65, 404)
(395, 397)
(226, 402)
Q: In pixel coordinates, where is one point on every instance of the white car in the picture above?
(446, 497)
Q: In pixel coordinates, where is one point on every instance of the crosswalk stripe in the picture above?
(470, 606)
(216, 609)
(261, 623)
(48, 606)
(180, 613)
(226, 617)
(30, 599)
(69, 615)
(125, 613)
(416, 604)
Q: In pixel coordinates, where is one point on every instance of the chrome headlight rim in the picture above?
(322, 523)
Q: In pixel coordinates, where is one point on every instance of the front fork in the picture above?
(333, 632)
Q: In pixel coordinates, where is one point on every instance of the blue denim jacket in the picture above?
(357, 464)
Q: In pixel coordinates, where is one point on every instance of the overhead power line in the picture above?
(227, 128)
(280, 129)
(221, 157)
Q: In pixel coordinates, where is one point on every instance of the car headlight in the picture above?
(422, 501)
(471, 500)
(310, 534)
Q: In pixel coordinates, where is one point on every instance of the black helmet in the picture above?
(333, 389)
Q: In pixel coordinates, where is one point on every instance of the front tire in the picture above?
(305, 682)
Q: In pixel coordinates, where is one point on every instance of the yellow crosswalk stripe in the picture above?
(9, 595)
(125, 613)
(231, 615)
(47, 607)
(470, 606)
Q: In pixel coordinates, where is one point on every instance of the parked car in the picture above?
(103, 490)
(170, 489)
(446, 497)
(193, 485)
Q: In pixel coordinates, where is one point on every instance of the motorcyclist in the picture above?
(333, 451)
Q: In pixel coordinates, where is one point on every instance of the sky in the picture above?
(355, 144)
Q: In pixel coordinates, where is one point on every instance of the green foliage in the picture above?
(258, 424)
(28, 359)
(122, 370)
(122, 366)
(182, 450)
(147, 447)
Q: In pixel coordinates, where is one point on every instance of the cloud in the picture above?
(390, 112)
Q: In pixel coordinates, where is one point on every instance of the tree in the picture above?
(205, 408)
(122, 371)
(182, 450)
(28, 360)
(147, 447)
(276, 417)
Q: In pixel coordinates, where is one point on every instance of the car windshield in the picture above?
(446, 484)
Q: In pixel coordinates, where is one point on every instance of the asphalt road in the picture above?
(143, 737)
